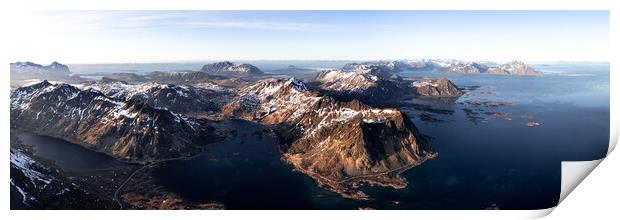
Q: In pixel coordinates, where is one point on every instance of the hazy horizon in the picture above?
(304, 60)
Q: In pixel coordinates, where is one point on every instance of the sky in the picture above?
(187, 36)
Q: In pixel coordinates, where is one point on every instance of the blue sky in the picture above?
(171, 36)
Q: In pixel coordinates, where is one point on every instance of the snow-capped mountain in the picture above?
(24, 73)
(465, 67)
(514, 68)
(373, 83)
(389, 66)
(181, 99)
(227, 68)
(213, 71)
(33, 68)
(356, 77)
(130, 130)
(263, 98)
(452, 66)
(339, 144)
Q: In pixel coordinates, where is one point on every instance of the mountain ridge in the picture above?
(129, 130)
(316, 132)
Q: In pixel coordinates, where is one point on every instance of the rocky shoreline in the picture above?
(349, 187)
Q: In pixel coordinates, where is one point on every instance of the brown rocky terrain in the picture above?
(341, 145)
(436, 87)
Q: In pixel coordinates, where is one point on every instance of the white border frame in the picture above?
(9, 8)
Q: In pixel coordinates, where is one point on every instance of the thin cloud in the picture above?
(253, 25)
(150, 19)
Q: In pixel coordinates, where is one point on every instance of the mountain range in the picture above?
(459, 67)
(126, 129)
(33, 68)
(332, 127)
(377, 83)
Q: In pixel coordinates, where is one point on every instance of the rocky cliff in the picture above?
(436, 88)
(341, 145)
(129, 130)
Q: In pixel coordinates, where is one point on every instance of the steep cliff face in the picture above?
(436, 88)
(339, 144)
(354, 145)
(129, 130)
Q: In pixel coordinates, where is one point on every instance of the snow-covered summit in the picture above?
(355, 77)
(33, 68)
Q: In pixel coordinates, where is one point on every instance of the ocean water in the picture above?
(98, 70)
(485, 161)
(504, 163)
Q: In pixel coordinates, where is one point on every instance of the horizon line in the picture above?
(321, 60)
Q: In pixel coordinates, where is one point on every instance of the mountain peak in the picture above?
(54, 68)
(270, 87)
(356, 77)
(43, 83)
(228, 68)
(57, 65)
